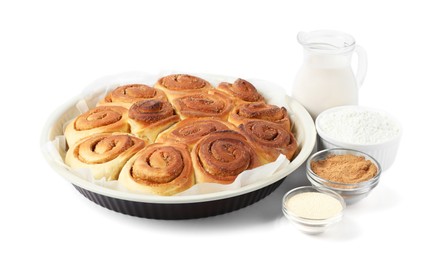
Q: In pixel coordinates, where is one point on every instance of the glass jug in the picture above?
(326, 78)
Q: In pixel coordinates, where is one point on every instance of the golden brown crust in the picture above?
(242, 91)
(260, 111)
(148, 118)
(127, 95)
(160, 169)
(210, 103)
(271, 139)
(103, 119)
(183, 82)
(177, 85)
(225, 130)
(221, 156)
(104, 154)
(190, 130)
(150, 111)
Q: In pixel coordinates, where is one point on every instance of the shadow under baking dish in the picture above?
(181, 207)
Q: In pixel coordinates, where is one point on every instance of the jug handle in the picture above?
(362, 65)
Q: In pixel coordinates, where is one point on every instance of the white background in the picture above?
(50, 50)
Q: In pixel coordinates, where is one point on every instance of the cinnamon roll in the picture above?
(221, 156)
(270, 139)
(160, 169)
(190, 130)
(177, 85)
(103, 119)
(260, 111)
(127, 95)
(148, 118)
(104, 154)
(241, 91)
(211, 103)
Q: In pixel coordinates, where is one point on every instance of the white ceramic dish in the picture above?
(384, 152)
(177, 207)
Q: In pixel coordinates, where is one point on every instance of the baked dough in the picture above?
(180, 132)
(210, 103)
(104, 154)
(177, 85)
(127, 95)
(147, 118)
(190, 130)
(260, 111)
(269, 139)
(221, 156)
(102, 119)
(161, 169)
(241, 91)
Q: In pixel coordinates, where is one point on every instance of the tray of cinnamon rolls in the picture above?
(177, 146)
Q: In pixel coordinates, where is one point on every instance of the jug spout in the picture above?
(326, 41)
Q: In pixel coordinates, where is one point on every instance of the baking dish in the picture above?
(176, 207)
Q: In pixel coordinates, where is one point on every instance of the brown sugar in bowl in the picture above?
(345, 168)
(352, 181)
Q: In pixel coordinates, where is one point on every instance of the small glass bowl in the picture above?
(351, 192)
(307, 225)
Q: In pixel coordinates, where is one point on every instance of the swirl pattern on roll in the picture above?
(224, 130)
(177, 85)
(104, 154)
(190, 130)
(150, 111)
(221, 156)
(97, 117)
(129, 94)
(183, 82)
(270, 138)
(148, 118)
(241, 90)
(260, 111)
(208, 104)
(102, 119)
(159, 169)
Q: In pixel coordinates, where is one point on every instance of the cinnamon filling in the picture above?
(192, 130)
(262, 111)
(212, 103)
(266, 133)
(132, 93)
(242, 89)
(158, 165)
(150, 110)
(99, 116)
(102, 149)
(225, 155)
(182, 82)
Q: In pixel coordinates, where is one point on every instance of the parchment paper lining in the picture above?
(98, 90)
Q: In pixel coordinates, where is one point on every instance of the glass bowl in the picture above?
(351, 192)
(312, 225)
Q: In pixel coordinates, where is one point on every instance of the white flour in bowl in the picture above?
(314, 205)
(358, 126)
